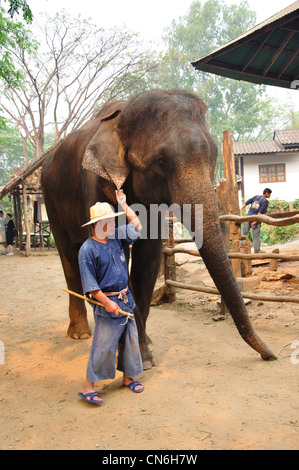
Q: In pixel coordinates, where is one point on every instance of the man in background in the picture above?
(258, 206)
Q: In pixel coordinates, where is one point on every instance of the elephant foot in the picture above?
(147, 358)
(269, 356)
(79, 330)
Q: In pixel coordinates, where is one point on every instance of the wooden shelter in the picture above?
(21, 187)
(266, 54)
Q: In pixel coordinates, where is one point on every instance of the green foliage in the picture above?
(16, 6)
(276, 205)
(11, 153)
(296, 204)
(277, 235)
(238, 106)
(12, 34)
(6, 205)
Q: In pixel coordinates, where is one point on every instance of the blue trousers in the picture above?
(111, 333)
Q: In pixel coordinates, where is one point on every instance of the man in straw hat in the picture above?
(104, 275)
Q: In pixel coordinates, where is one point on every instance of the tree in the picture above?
(16, 5)
(11, 153)
(76, 67)
(239, 106)
(12, 34)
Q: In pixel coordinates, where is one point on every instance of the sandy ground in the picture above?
(208, 390)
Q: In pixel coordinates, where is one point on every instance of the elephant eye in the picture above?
(161, 161)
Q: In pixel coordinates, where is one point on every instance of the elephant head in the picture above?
(161, 138)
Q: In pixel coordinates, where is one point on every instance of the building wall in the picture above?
(288, 190)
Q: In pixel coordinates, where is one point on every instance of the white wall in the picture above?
(288, 190)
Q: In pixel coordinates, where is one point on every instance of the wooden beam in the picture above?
(257, 50)
(293, 56)
(279, 50)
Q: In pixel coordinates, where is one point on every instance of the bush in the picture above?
(275, 235)
(276, 205)
(296, 204)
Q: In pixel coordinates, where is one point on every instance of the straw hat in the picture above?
(100, 211)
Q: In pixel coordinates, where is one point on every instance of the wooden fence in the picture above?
(230, 221)
(171, 248)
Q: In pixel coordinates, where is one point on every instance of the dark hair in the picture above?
(267, 190)
(8, 213)
(1, 212)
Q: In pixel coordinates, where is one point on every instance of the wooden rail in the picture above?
(177, 249)
(261, 218)
(247, 295)
(171, 250)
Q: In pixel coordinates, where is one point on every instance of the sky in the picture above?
(150, 18)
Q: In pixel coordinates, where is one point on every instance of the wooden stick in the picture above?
(83, 297)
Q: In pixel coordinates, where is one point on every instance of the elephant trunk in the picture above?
(213, 253)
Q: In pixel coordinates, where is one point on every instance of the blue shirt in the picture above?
(103, 266)
(259, 205)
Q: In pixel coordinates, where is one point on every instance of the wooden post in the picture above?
(273, 262)
(222, 198)
(16, 219)
(230, 173)
(232, 204)
(233, 199)
(169, 264)
(19, 218)
(26, 222)
(246, 265)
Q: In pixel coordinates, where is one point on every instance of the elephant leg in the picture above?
(78, 327)
(146, 260)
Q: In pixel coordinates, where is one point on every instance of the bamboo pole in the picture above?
(83, 297)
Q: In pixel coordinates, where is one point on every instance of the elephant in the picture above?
(158, 149)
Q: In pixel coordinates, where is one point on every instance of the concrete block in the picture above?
(247, 284)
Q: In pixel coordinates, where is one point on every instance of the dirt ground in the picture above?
(208, 389)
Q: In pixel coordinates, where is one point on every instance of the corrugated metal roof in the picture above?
(266, 54)
(283, 141)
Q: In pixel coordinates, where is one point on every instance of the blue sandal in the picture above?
(132, 386)
(92, 395)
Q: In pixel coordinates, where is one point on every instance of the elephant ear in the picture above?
(105, 153)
